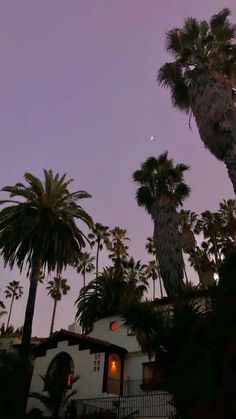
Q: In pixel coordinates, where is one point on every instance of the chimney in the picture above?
(75, 328)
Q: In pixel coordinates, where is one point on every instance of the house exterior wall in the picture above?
(88, 385)
(117, 337)
(90, 382)
(134, 358)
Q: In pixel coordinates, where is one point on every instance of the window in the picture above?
(113, 326)
(96, 363)
(154, 376)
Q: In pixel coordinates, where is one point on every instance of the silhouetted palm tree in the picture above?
(105, 296)
(84, 264)
(211, 226)
(56, 289)
(99, 236)
(203, 265)
(152, 272)
(228, 217)
(116, 243)
(153, 269)
(202, 79)
(39, 229)
(15, 292)
(162, 190)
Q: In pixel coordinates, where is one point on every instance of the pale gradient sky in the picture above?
(78, 94)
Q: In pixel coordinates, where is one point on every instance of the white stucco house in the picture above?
(114, 374)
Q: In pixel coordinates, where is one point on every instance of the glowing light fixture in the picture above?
(113, 326)
(69, 380)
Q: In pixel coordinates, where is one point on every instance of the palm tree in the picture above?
(134, 273)
(104, 297)
(228, 217)
(153, 269)
(116, 244)
(199, 259)
(10, 331)
(150, 246)
(187, 224)
(15, 292)
(56, 288)
(152, 272)
(84, 264)
(172, 338)
(202, 80)
(161, 192)
(210, 224)
(100, 298)
(98, 237)
(39, 230)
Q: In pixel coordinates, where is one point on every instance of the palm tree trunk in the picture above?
(25, 363)
(8, 320)
(154, 288)
(214, 110)
(53, 316)
(97, 256)
(84, 280)
(29, 313)
(167, 242)
(216, 255)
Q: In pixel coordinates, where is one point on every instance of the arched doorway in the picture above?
(114, 373)
(60, 373)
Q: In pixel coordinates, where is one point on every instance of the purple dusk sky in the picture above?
(79, 95)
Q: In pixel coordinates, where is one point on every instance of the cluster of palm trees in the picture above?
(209, 238)
(40, 224)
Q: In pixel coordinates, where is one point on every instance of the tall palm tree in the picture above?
(116, 243)
(15, 292)
(84, 264)
(99, 236)
(162, 190)
(152, 272)
(56, 289)
(187, 224)
(202, 79)
(153, 269)
(228, 216)
(199, 259)
(39, 230)
(210, 224)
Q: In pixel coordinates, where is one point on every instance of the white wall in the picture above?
(134, 365)
(90, 382)
(134, 359)
(117, 337)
